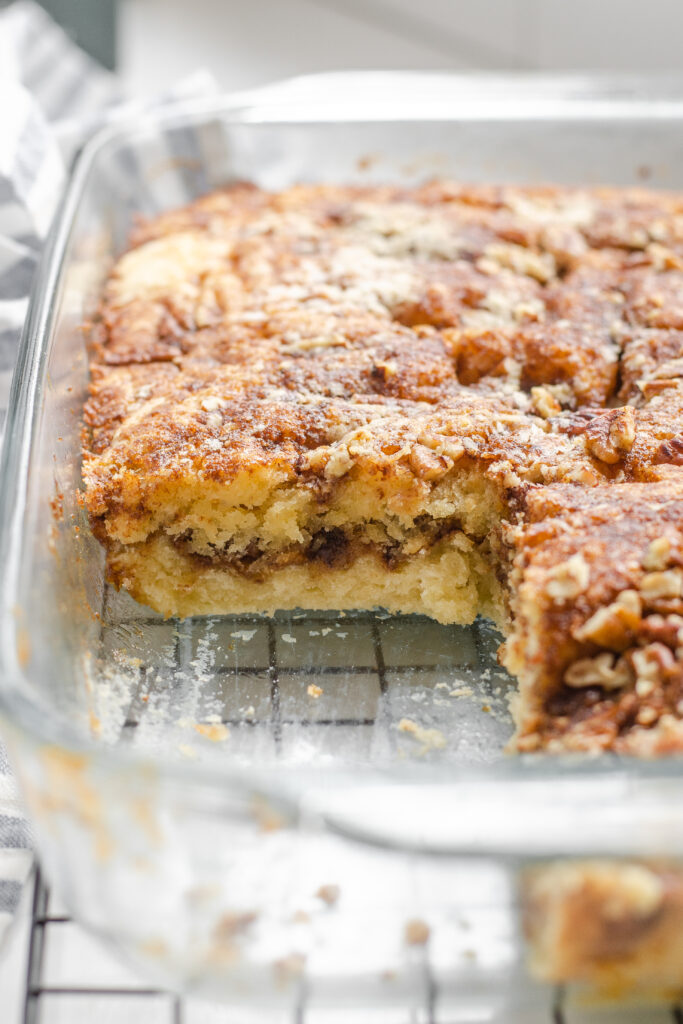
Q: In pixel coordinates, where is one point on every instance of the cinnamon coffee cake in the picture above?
(444, 399)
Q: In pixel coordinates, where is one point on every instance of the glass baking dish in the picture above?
(263, 808)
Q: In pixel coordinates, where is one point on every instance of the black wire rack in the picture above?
(93, 1002)
(367, 672)
(370, 672)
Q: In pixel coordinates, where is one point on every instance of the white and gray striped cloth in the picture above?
(52, 96)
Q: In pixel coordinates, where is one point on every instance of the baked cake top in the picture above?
(536, 331)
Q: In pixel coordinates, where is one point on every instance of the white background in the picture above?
(248, 42)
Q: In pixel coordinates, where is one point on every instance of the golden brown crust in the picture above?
(394, 340)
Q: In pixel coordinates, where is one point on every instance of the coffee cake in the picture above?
(444, 399)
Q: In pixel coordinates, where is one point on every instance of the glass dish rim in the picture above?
(494, 96)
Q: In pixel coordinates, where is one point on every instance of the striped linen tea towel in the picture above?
(52, 97)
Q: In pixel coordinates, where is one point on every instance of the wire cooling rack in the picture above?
(292, 689)
(71, 979)
(298, 687)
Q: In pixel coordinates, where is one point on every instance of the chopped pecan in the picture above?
(338, 463)
(669, 370)
(651, 664)
(622, 431)
(613, 626)
(383, 370)
(656, 585)
(647, 715)
(663, 258)
(522, 260)
(670, 451)
(657, 555)
(580, 419)
(650, 388)
(581, 475)
(611, 436)
(427, 465)
(603, 670)
(443, 444)
(568, 579)
(544, 402)
(663, 629)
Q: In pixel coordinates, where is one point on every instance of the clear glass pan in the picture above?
(182, 774)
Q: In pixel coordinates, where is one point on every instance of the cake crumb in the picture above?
(288, 968)
(234, 923)
(431, 739)
(329, 894)
(212, 731)
(462, 691)
(267, 817)
(155, 947)
(314, 691)
(416, 932)
(244, 634)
